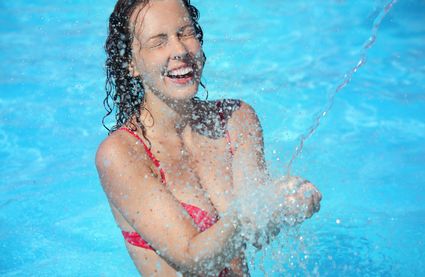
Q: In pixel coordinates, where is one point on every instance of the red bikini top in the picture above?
(200, 217)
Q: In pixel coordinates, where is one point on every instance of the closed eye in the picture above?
(156, 41)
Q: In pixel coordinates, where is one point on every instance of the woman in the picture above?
(173, 166)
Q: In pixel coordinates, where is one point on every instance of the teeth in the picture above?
(180, 71)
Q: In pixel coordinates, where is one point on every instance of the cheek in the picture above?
(195, 47)
(151, 67)
(198, 54)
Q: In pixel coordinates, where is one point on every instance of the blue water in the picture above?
(284, 58)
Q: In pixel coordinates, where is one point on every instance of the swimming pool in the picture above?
(282, 57)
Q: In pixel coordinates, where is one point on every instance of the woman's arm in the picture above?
(250, 176)
(157, 216)
(249, 166)
(265, 204)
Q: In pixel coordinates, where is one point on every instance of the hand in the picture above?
(301, 199)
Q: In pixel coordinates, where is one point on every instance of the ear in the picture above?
(133, 70)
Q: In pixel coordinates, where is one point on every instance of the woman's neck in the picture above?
(161, 118)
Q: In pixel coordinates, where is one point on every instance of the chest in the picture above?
(198, 171)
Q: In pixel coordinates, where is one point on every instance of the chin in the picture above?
(184, 93)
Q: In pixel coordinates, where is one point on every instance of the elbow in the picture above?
(198, 267)
(199, 262)
(185, 262)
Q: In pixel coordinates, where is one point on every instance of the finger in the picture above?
(317, 208)
(310, 211)
(316, 199)
(317, 193)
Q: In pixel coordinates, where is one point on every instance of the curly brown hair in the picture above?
(125, 93)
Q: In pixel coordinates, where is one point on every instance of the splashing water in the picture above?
(257, 203)
(258, 199)
(347, 79)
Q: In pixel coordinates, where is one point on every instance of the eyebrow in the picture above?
(185, 26)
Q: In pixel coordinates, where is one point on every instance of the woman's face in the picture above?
(166, 52)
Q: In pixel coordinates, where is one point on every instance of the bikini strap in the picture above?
(148, 151)
(223, 124)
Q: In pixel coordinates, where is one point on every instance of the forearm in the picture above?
(267, 232)
(282, 208)
(213, 249)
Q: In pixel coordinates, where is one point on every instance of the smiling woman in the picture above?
(167, 56)
(174, 166)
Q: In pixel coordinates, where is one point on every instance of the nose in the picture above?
(179, 50)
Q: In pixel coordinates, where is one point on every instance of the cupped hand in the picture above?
(301, 199)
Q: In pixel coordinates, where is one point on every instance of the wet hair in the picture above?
(124, 91)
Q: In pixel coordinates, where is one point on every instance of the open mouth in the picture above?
(182, 75)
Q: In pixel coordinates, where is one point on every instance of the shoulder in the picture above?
(244, 127)
(118, 151)
(111, 146)
(243, 117)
